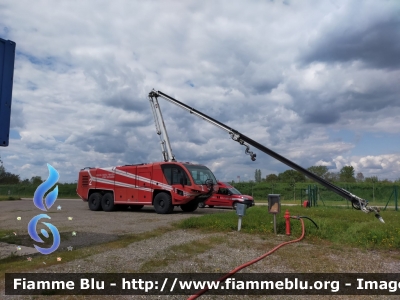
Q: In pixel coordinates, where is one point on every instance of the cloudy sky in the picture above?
(316, 81)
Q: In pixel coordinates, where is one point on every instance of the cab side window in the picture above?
(174, 174)
(223, 191)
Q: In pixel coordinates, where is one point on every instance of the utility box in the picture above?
(241, 209)
(7, 58)
(274, 203)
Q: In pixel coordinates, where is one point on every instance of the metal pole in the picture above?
(373, 187)
(275, 223)
(240, 223)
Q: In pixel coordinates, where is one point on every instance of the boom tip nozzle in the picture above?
(379, 218)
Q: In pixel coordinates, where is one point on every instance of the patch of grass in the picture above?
(8, 236)
(16, 264)
(177, 253)
(337, 225)
(4, 234)
(9, 198)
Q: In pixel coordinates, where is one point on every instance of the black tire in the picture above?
(136, 207)
(95, 201)
(189, 207)
(211, 206)
(107, 202)
(201, 205)
(163, 203)
(234, 205)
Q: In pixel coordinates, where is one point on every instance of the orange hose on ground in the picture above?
(198, 294)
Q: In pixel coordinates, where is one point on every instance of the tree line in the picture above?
(346, 174)
(10, 178)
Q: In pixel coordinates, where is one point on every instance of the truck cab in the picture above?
(227, 196)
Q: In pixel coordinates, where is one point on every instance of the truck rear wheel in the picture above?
(189, 207)
(163, 203)
(95, 201)
(107, 202)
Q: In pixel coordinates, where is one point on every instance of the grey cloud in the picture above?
(99, 141)
(135, 122)
(123, 99)
(263, 87)
(376, 44)
(321, 117)
(370, 101)
(17, 115)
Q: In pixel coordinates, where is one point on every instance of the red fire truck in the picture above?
(163, 185)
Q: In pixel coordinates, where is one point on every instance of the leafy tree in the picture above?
(36, 180)
(360, 177)
(25, 181)
(7, 177)
(386, 181)
(290, 175)
(318, 170)
(271, 178)
(331, 176)
(372, 179)
(2, 169)
(347, 174)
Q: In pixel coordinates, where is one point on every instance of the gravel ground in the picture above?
(225, 253)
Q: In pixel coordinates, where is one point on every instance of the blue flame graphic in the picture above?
(32, 232)
(49, 201)
(44, 187)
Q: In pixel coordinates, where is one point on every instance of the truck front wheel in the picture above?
(163, 203)
(189, 207)
(95, 201)
(107, 202)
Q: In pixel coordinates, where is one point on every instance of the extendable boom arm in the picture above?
(356, 201)
(161, 130)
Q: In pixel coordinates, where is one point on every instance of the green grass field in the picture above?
(337, 225)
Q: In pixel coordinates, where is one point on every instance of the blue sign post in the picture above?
(7, 58)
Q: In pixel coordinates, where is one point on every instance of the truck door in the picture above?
(143, 183)
(221, 197)
(125, 184)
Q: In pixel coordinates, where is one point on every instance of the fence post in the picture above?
(395, 194)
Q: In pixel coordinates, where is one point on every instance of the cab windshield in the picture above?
(200, 174)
